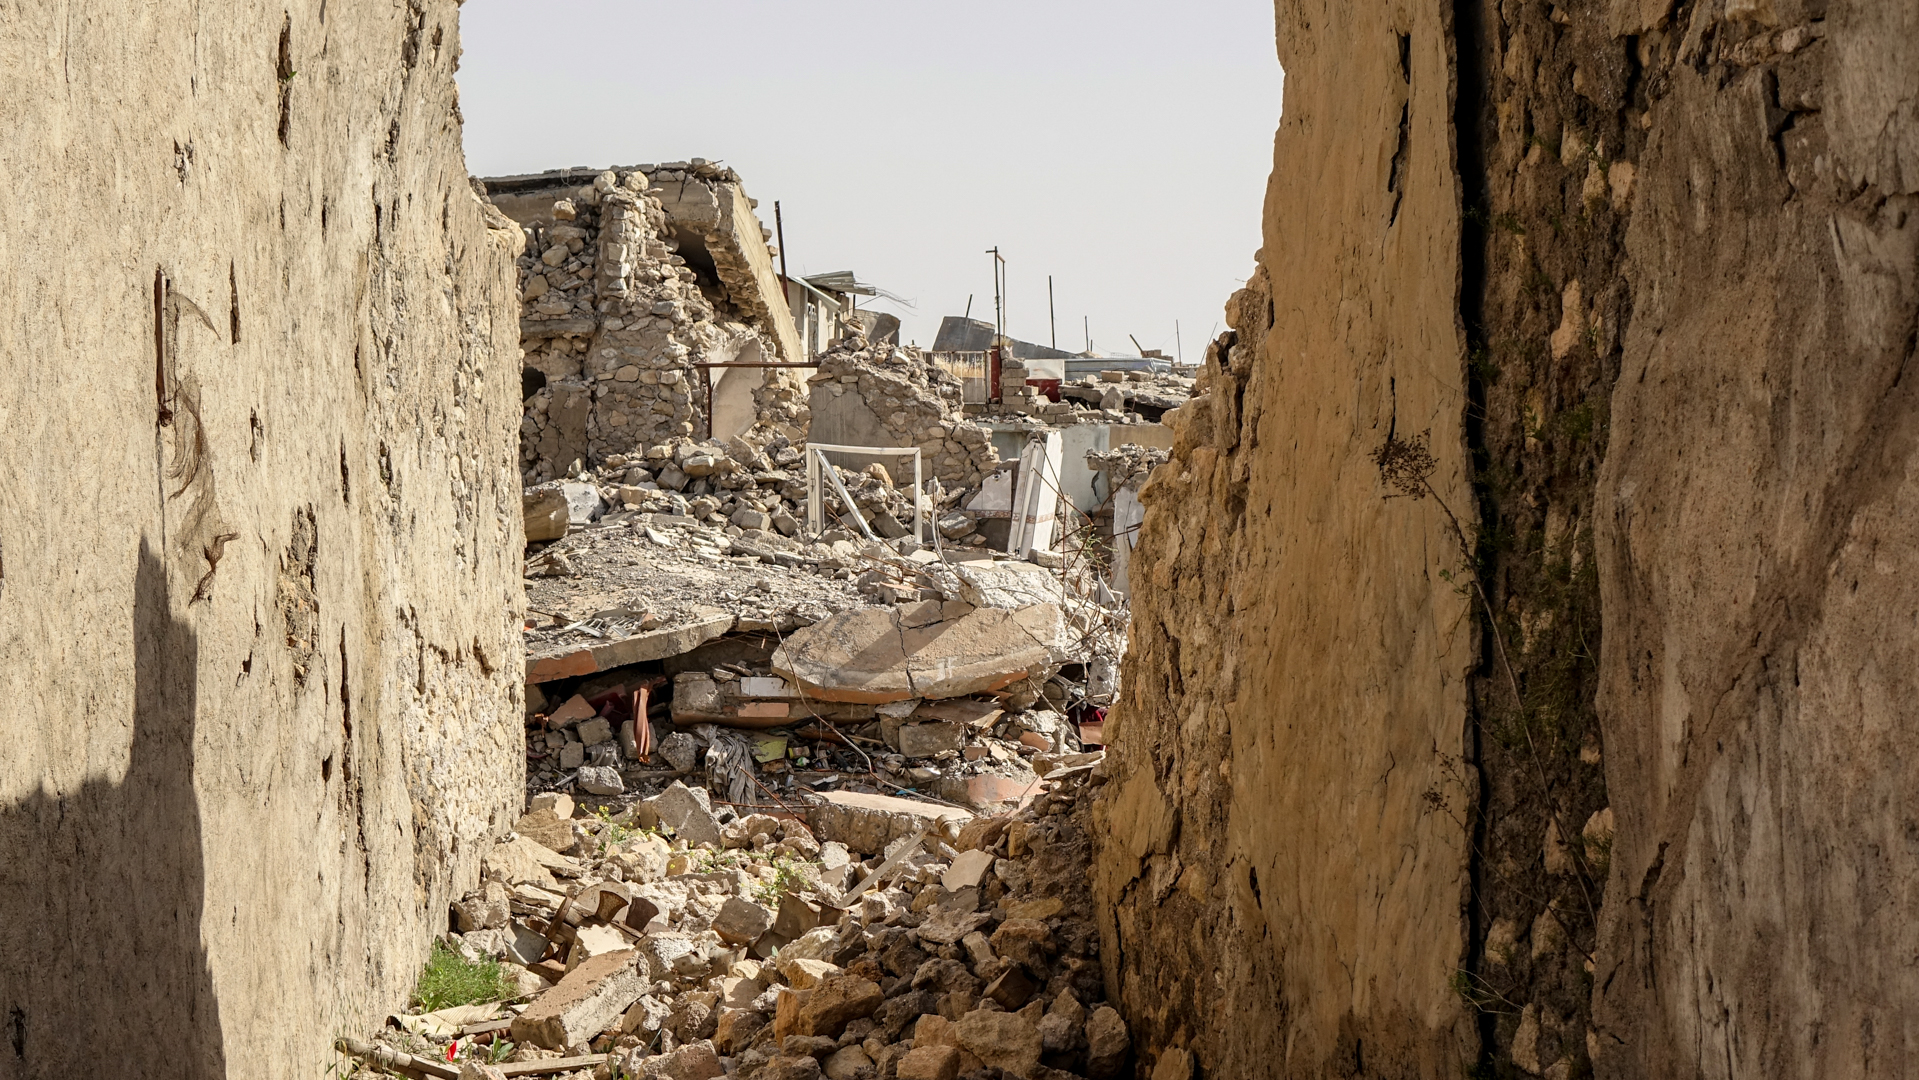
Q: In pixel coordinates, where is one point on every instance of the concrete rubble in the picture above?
(851, 937)
(806, 739)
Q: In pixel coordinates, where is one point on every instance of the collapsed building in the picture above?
(650, 311)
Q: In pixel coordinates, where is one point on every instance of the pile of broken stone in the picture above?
(969, 695)
(868, 939)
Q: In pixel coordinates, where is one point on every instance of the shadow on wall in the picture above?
(101, 959)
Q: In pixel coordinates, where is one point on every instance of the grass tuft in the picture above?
(449, 980)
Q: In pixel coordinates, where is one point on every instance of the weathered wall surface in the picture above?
(1279, 897)
(1756, 535)
(259, 528)
(1667, 783)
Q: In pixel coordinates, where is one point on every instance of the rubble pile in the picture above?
(1114, 397)
(857, 939)
(901, 399)
(616, 323)
(854, 668)
(1129, 465)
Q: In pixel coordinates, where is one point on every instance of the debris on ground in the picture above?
(855, 937)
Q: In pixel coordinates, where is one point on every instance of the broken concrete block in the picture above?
(741, 921)
(682, 751)
(572, 755)
(928, 740)
(967, 871)
(575, 710)
(869, 655)
(586, 1002)
(600, 780)
(671, 478)
(592, 941)
(583, 503)
(596, 731)
(868, 823)
(688, 812)
(786, 523)
(546, 514)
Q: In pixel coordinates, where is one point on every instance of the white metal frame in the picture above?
(816, 503)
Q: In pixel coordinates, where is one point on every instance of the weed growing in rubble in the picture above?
(787, 878)
(612, 833)
(450, 979)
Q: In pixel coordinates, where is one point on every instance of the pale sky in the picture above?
(1120, 146)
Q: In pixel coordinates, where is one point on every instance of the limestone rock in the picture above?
(688, 812)
(583, 1004)
(1002, 1040)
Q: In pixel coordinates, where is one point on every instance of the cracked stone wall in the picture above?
(259, 538)
(1278, 896)
(1657, 756)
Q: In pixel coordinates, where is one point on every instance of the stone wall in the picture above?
(1757, 546)
(1626, 802)
(880, 395)
(259, 538)
(620, 303)
(1279, 894)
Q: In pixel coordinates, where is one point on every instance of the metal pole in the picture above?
(779, 230)
(1179, 349)
(1052, 319)
(968, 317)
(999, 298)
(1088, 327)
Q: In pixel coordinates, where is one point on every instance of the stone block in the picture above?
(586, 1002)
(867, 823)
(688, 812)
(547, 829)
(1002, 1040)
(967, 871)
(749, 519)
(596, 731)
(546, 514)
(741, 921)
(583, 503)
(1106, 1043)
(927, 740)
(600, 780)
(930, 1063)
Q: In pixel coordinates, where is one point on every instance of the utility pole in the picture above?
(1052, 319)
(1179, 348)
(999, 292)
(1087, 325)
(968, 317)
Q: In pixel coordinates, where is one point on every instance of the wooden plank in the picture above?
(556, 1065)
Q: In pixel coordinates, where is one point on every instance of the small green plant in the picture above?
(1510, 222)
(499, 1051)
(787, 878)
(612, 833)
(450, 979)
(712, 862)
